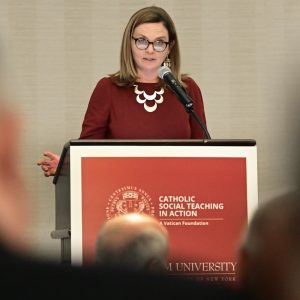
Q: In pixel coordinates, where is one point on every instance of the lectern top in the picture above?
(192, 142)
(168, 142)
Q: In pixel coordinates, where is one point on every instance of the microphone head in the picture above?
(162, 71)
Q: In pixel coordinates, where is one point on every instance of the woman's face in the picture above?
(148, 61)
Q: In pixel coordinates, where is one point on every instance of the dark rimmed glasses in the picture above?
(143, 44)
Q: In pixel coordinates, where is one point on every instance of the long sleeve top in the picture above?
(143, 111)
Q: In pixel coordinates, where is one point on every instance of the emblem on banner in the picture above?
(129, 200)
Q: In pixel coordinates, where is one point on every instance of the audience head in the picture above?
(269, 263)
(133, 242)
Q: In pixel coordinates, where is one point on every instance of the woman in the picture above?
(134, 103)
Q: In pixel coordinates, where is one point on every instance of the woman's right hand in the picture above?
(49, 164)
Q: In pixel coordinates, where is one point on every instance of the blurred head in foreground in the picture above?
(13, 201)
(134, 242)
(270, 251)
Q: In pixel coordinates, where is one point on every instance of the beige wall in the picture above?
(244, 54)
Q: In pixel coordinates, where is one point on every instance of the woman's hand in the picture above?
(49, 164)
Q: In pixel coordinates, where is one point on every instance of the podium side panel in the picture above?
(62, 211)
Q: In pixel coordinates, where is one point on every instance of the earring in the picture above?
(167, 62)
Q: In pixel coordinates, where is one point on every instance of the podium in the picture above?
(203, 191)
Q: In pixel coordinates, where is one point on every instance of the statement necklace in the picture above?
(151, 98)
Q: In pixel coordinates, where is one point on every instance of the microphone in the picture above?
(166, 74)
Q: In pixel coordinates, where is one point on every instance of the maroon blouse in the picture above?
(114, 113)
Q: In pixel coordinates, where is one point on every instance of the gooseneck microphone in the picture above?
(166, 74)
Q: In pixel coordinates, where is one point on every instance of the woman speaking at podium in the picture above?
(135, 103)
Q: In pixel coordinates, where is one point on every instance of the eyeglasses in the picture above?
(143, 44)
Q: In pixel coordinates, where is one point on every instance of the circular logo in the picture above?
(129, 200)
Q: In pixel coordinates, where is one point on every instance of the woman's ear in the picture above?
(171, 46)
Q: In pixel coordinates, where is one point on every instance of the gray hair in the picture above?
(145, 249)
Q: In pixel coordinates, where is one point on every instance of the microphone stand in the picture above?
(165, 74)
(189, 108)
(197, 119)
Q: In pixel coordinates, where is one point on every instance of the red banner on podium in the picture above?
(202, 201)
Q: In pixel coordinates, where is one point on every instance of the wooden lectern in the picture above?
(203, 191)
